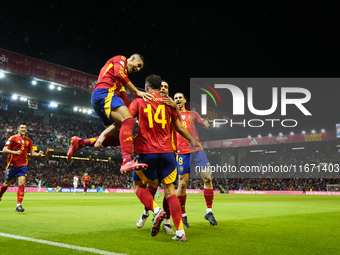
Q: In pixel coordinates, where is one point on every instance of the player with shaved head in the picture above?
(111, 106)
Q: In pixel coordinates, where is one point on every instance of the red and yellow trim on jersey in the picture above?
(108, 68)
(173, 140)
(13, 137)
(174, 147)
(9, 161)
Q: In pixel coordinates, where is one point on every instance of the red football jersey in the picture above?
(113, 74)
(154, 131)
(16, 143)
(189, 120)
(86, 179)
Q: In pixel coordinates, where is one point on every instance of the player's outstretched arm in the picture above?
(183, 132)
(8, 151)
(37, 154)
(208, 124)
(144, 95)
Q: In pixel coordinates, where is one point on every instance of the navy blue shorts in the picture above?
(184, 161)
(161, 166)
(11, 172)
(103, 101)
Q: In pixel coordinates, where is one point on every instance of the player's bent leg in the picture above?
(4, 187)
(137, 185)
(123, 117)
(152, 188)
(147, 200)
(175, 209)
(78, 143)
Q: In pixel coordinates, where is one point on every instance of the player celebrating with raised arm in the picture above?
(17, 147)
(108, 104)
(154, 146)
(197, 155)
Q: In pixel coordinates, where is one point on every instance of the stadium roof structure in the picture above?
(41, 80)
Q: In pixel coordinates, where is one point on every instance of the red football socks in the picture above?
(109, 141)
(126, 139)
(182, 200)
(175, 209)
(146, 198)
(209, 197)
(152, 192)
(2, 190)
(166, 208)
(20, 193)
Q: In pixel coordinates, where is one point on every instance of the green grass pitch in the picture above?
(247, 224)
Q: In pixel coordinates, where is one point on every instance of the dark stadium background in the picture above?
(233, 39)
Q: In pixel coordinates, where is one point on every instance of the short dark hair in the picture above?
(141, 57)
(154, 81)
(21, 124)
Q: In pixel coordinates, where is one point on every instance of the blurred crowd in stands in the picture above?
(56, 173)
(51, 131)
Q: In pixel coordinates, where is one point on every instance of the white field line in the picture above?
(68, 246)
